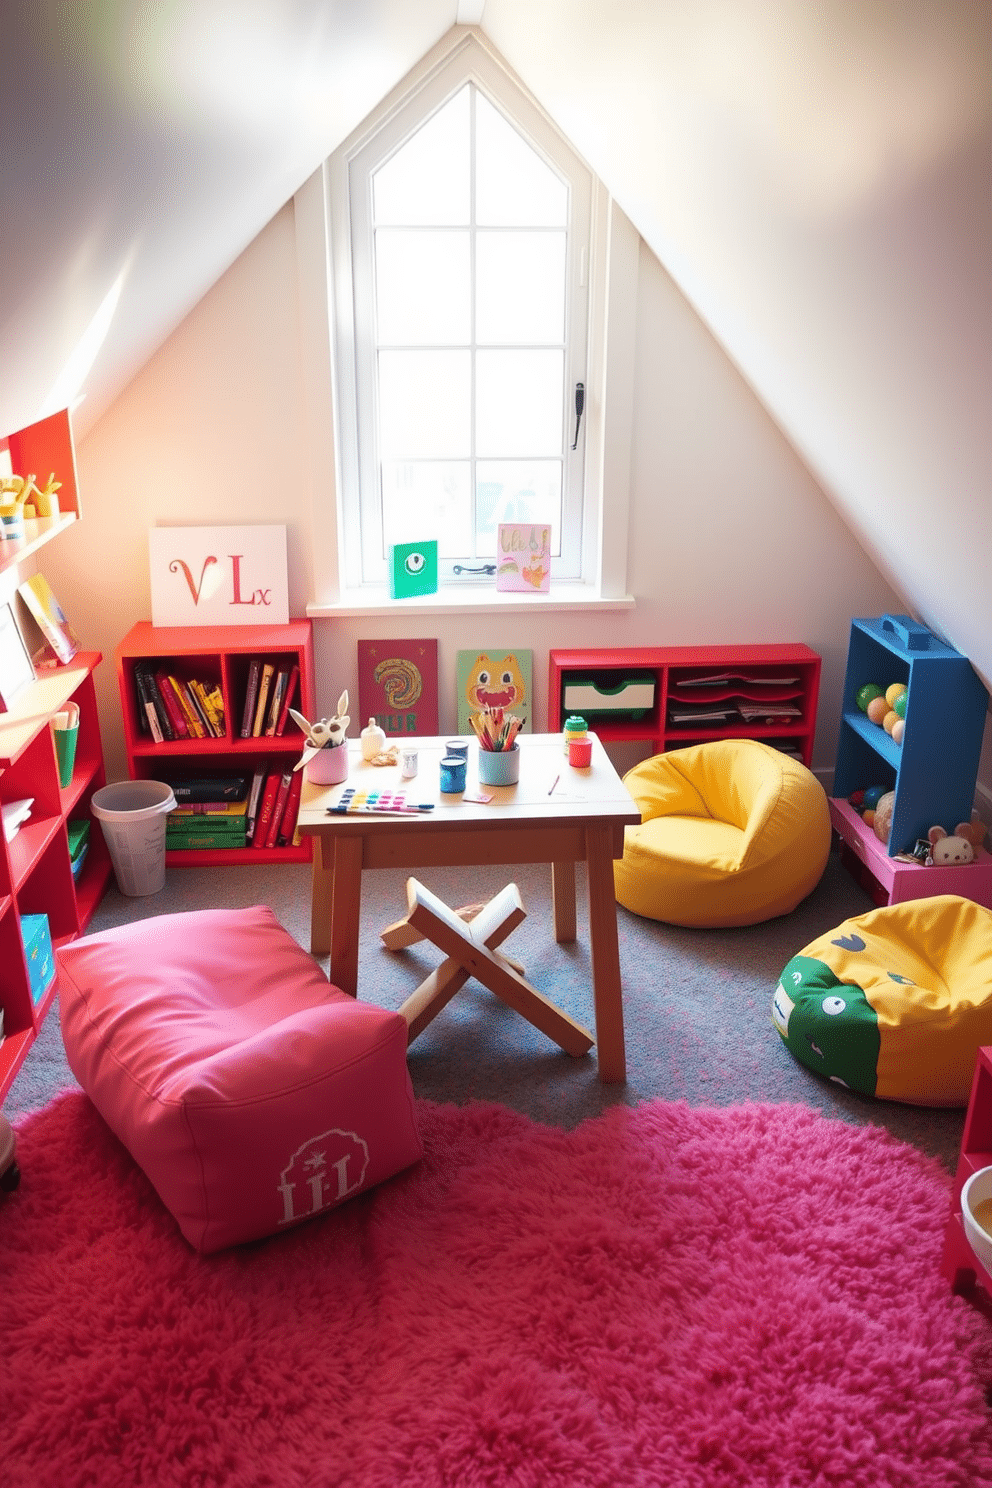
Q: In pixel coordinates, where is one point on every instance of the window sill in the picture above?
(471, 600)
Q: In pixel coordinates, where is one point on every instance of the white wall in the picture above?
(815, 176)
(731, 538)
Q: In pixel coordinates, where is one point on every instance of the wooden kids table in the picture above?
(555, 814)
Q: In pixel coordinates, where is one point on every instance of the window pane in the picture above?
(424, 405)
(428, 499)
(520, 287)
(516, 491)
(427, 180)
(519, 403)
(514, 186)
(422, 282)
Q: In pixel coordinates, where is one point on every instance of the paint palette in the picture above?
(354, 802)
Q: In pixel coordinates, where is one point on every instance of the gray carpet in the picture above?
(696, 1002)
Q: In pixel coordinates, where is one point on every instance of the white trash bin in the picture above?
(132, 815)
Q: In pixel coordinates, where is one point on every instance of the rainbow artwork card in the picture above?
(523, 557)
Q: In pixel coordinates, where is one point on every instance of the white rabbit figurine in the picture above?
(326, 733)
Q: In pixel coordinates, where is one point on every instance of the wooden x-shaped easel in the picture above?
(469, 937)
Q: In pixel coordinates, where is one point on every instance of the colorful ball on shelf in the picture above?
(894, 690)
(882, 825)
(877, 709)
(889, 721)
(899, 706)
(873, 795)
(864, 695)
(898, 729)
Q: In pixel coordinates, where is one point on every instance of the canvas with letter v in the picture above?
(218, 575)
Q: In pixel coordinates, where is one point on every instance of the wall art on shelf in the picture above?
(494, 678)
(49, 616)
(412, 569)
(397, 686)
(523, 561)
(218, 575)
(16, 671)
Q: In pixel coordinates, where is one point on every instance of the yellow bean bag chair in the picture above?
(733, 832)
(895, 1003)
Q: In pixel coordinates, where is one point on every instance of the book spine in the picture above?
(194, 695)
(265, 809)
(176, 716)
(282, 796)
(264, 683)
(287, 701)
(287, 827)
(202, 840)
(196, 729)
(198, 693)
(147, 712)
(251, 696)
(214, 700)
(210, 788)
(164, 717)
(275, 705)
(254, 796)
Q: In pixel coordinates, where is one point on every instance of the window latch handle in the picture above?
(580, 403)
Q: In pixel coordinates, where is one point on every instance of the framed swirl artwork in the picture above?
(397, 686)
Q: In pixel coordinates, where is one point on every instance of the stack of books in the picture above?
(173, 707)
(269, 691)
(273, 806)
(211, 812)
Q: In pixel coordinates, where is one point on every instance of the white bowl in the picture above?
(976, 1189)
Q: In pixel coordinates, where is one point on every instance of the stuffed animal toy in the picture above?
(949, 851)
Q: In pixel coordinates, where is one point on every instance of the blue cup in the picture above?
(452, 775)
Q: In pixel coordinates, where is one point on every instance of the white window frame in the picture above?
(327, 323)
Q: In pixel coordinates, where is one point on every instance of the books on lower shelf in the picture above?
(273, 806)
(238, 811)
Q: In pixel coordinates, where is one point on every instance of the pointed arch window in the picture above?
(461, 317)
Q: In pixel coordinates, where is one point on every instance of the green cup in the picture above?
(65, 750)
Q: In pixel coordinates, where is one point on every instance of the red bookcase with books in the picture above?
(216, 729)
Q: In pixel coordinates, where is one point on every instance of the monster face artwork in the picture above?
(494, 678)
(495, 684)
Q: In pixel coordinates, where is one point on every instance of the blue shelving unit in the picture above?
(934, 771)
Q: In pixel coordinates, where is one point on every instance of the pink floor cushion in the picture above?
(252, 1092)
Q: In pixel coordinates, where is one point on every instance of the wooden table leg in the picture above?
(442, 926)
(563, 900)
(321, 887)
(491, 924)
(607, 988)
(346, 911)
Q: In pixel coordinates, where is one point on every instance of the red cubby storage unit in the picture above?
(221, 654)
(960, 1265)
(661, 695)
(36, 873)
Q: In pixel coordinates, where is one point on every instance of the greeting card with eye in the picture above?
(412, 569)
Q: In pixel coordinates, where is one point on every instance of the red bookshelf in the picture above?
(36, 875)
(221, 655)
(641, 693)
(960, 1265)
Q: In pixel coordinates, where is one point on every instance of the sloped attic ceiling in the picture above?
(814, 174)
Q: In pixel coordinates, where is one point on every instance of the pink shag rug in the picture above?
(665, 1296)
